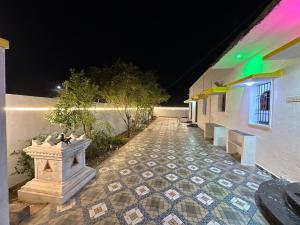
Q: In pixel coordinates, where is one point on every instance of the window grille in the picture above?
(262, 111)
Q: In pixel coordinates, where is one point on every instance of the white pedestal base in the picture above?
(37, 191)
(220, 136)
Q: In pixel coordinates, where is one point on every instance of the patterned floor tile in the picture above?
(132, 180)
(168, 174)
(171, 219)
(225, 183)
(213, 222)
(205, 199)
(160, 170)
(139, 168)
(147, 174)
(240, 203)
(229, 215)
(182, 172)
(186, 187)
(258, 218)
(216, 190)
(114, 187)
(197, 180)
(207, 175)
(125, 172)
(155, 205)
(171, 177)
(232, 177)
(151, 163)
(245, 192)
(172, 194)
(142, 190)
(109, 220)
(97, 210)
(158, 183)
(171, 165)
(133, 216)
(122, 199)
(68, 205)
(74, 217)
(191, 210)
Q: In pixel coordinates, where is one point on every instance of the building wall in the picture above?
(277, 147)
(171, 111)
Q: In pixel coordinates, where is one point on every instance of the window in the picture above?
(204, 106)
(263, 98)
(260, 104)
(221, 102)
(191, 108)
(196, 111)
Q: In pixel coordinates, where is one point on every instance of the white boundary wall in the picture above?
(26, 119)
(171, 111)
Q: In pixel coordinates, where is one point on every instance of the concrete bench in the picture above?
(209, 130)
(244, 144)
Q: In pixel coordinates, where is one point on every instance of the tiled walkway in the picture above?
(168, 175)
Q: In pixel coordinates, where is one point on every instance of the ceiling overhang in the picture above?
(255, 78)
(289, 50)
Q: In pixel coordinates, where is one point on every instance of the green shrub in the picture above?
(25, 165)
(103, 140)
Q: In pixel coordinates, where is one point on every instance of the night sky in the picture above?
(179, 42)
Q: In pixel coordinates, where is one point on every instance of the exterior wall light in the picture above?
(249, 83)
(239, 56)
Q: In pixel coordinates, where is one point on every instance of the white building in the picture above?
(260, 90)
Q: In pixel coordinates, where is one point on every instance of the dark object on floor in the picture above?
(292, 196)
(278, 202)
(18, 212)
(192, 125)
(189, 121)
(64, 139)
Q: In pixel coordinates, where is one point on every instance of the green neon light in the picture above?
(253, 66)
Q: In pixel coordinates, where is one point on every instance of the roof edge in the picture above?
(4, 43)
(243, 33)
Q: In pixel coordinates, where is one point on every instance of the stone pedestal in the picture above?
(220, 136)
(60, 171)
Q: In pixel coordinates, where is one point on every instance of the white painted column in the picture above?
(4, 213)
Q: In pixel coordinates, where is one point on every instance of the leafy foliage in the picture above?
(133, 91)
(25, 165)
(103, 140)
(71, 111)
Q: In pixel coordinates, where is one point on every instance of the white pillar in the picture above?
(4, 214)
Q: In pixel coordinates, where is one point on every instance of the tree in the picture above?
(123, 91)
(76, 97)
(128, 88)
(154, 94)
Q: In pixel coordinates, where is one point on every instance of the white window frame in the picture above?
(252, 119)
